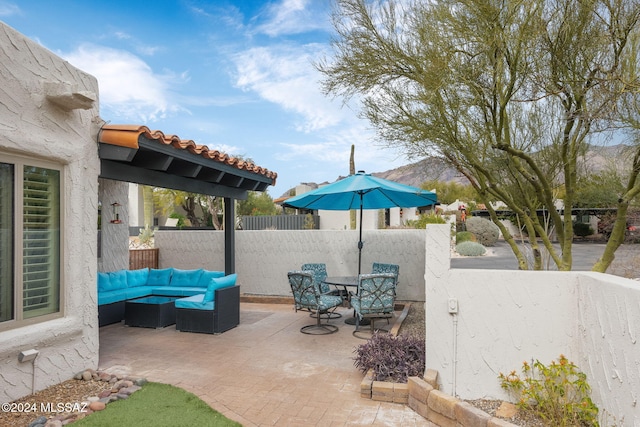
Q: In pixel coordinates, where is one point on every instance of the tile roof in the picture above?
(128, 135)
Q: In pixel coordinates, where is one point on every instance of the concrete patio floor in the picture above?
(264, 372)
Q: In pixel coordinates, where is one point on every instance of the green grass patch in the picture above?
(157, 405)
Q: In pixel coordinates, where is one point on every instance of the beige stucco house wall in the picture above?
(49, 113)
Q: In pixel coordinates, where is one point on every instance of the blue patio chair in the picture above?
(307, 296)
(374, 300)
(379, 267)
(319, 274)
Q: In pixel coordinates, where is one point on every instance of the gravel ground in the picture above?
(71, 392)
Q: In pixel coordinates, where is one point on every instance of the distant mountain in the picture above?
(416, 174)
(597, 159)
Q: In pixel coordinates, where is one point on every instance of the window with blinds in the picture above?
(40, 242)
(30, 241)
(6, 242)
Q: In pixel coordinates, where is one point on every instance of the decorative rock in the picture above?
(87, 376)
(129, 390)
(506, 410)
(38, 421)
(140, 381)
(66, 417)
(53, 423)
(122, 396)
(113, 379)
(104, 377)
(106, 400)
(78, 376)
(105, 393)
(93, 399)
(97, 406)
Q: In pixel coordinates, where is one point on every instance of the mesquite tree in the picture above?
(510, 93)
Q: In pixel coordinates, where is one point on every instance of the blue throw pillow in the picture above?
(137, 277)
(104, 283)
(185, 277)
(219, 283)
(118, 280)
(206, 277)
(159, 277)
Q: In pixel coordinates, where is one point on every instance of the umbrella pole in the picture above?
(360, 243)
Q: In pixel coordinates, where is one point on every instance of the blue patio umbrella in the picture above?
(362, 191)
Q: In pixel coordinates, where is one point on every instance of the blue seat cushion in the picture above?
(219, 283)
(206, 277)
(159, 277)
(326, 302)
(118, 280)
(104, 282)
(137, 277)
(366, 307)
(108, 297)
(195, 302)
(176, 291)
(185, 277)
(138, 292)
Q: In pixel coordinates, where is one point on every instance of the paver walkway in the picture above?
(262, 373)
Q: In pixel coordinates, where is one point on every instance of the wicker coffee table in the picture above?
(150, 312)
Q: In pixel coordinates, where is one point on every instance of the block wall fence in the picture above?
(264, 257)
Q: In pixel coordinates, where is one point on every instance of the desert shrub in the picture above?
(558, 393)
(465, 236)
(180, 224)
(582, 229)
(470, 249)
(146, 235)
(391, 358)
(425, 219)
(485, 231)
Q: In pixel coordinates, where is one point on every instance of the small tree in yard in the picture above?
(508, 93)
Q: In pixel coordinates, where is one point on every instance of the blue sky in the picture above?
(237, 76)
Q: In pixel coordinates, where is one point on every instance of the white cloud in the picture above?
(137, 45)
(322, 151)
(285, 76)
(128, 86)
(9, 9)
(294, 17)
(230, 150)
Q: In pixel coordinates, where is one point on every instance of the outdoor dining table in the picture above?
(345, 282)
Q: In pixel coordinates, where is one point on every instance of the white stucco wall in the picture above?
(340, 220)
(32, 126)
(115, 237)
(264, 257)
(507, 317)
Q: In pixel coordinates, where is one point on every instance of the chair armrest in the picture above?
(227, 308)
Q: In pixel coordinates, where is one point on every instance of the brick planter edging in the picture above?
(445, 410)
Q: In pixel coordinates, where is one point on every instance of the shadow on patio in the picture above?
(263, 372)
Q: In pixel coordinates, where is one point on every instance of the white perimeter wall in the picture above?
(507, 317)
(264, 257)
(340, 220)
(32, 126)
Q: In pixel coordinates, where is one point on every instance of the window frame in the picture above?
(19, 163)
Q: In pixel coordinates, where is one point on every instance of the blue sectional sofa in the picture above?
(222, 300)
